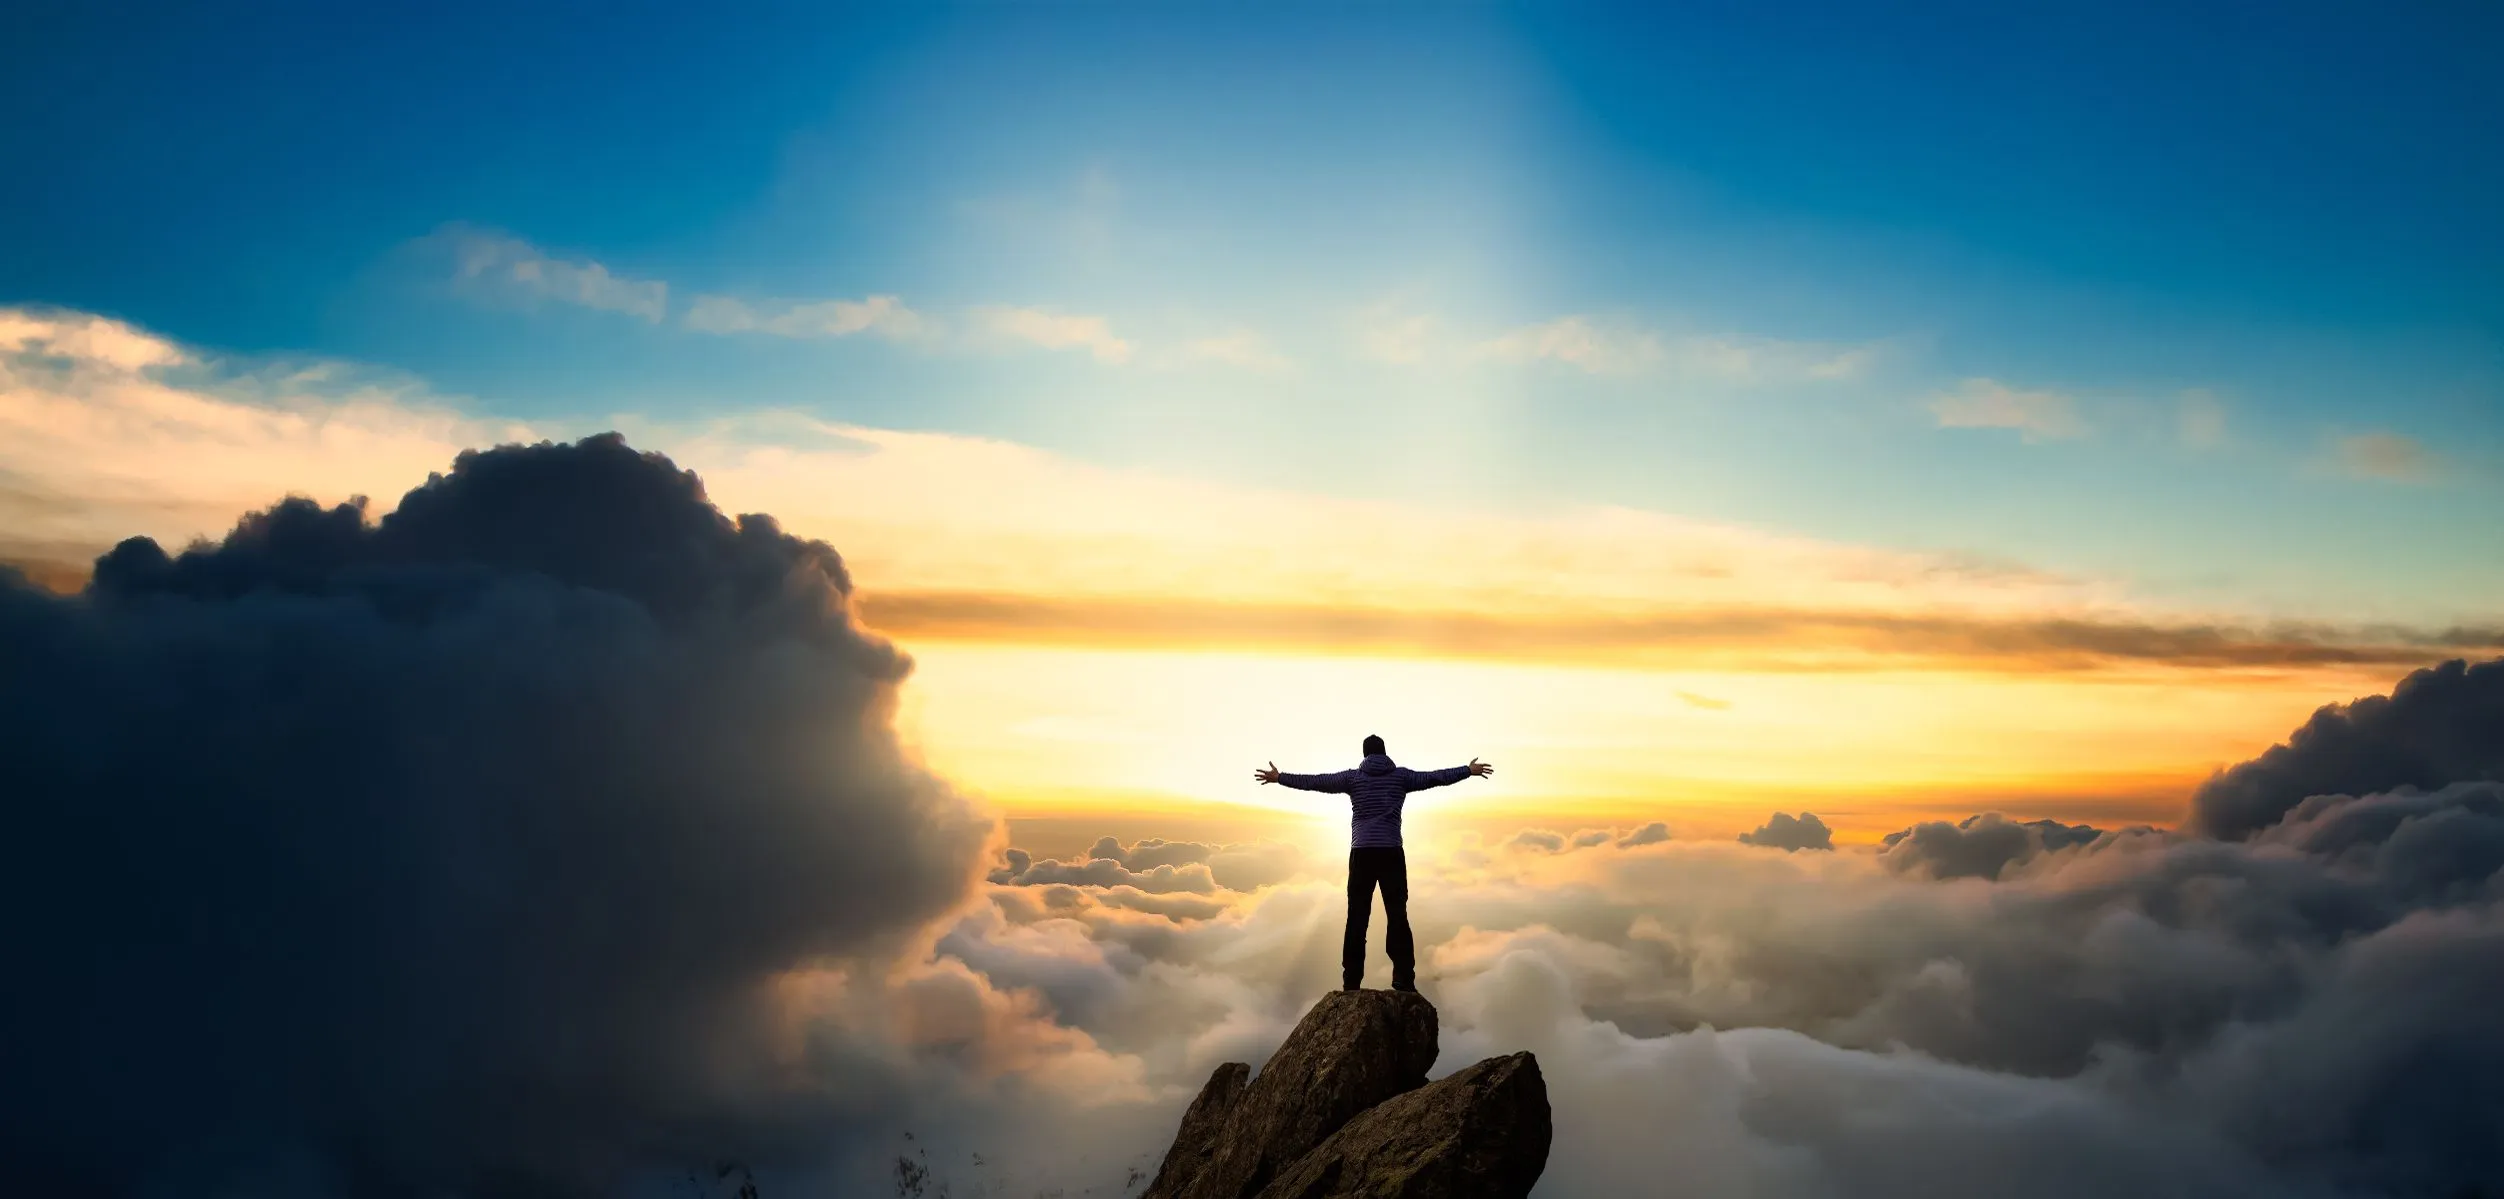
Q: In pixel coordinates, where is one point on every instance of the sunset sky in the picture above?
(1878, 415)
(1971, 533)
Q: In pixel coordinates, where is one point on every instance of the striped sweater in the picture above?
(1375, 791)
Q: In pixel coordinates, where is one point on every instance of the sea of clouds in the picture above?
(549, 835)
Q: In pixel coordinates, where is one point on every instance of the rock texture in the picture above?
(1196, 1141)
(1483, 1131)
(1343, 1108)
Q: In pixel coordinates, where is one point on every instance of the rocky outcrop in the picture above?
(1483, 1131)
(1344, 1109)
(1196, 1141)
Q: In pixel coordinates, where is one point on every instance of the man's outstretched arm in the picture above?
(1305, 782)
(1419, 780)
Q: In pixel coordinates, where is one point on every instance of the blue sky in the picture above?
(2235, 267)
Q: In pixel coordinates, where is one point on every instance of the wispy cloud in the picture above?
(883, 316)
(2384, 456)
(1242, 348)
(2201, 420)
(981, 541)
(1577, 342)
(1400, 339)
(509, 269)
(1604, 348)
(1991, 404)
(1055, 331)
(81, 339)
(1741, 638)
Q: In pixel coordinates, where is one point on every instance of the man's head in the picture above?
(1373, 745)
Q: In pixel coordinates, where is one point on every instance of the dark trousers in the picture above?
(1388, 867)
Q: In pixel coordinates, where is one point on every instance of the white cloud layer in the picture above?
(2138, 1013)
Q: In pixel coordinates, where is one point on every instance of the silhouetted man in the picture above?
(1375, 791)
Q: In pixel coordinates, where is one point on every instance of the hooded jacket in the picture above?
(1375, 791)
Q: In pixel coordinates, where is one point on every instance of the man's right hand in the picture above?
(1478, 769)
(1269, 775)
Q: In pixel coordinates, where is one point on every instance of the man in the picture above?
(1375, 791)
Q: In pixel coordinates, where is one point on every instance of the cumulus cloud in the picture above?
(2439, 725)
(1980, 846)
(881, 316)
(2306, 1012)
(550, 829)
(1991, 404)
(1055, 331)
(1786, 832)
(458, 852)
(507, 269)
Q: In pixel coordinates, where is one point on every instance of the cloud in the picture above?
(1789, 833)
(1242, 348)
(1157, 866)
(1537, 841)
(1545, 841)
(1577, 342)
(1395, 338)
(977, 540)
(1055, 331)
(108, 431)
(882, 316)
(1980, 846)
(2307, 1012)
(1600, 348)
(1706, 702)
(1991, 404)
(2385, 457)
(2201, 421)
(2439, 725)
(78, 338)
(1650, 834)
(467, 849)
(548, 837)
(507, 269)
(1757, 638)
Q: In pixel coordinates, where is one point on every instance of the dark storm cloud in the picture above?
(1784, 831)
(445, 854)
(2444, 724)
(1979, 846)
